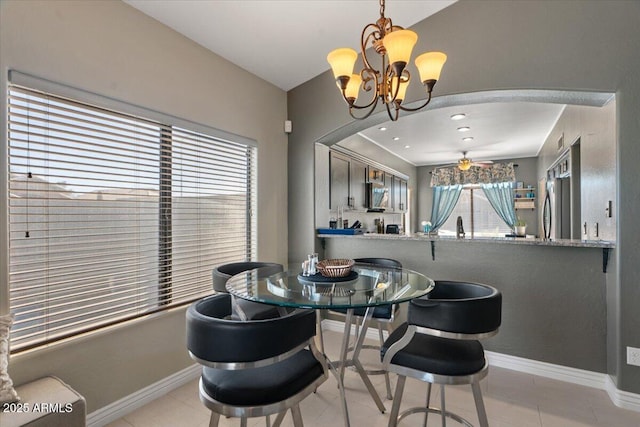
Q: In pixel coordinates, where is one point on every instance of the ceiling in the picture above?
(285, 42)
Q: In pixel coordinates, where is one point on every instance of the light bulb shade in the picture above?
(430, 65)
(399, 45)
(401, 91)
(342, 61)
(353, 87)
(464, 164)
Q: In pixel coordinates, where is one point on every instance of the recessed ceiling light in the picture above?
(464, 129)
(407, 146)
(458, 116)
(467, 139)
(382, 128)
(396, 138)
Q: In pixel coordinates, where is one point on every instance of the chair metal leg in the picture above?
(395, 409)
(319, 329)
(345, 342)
(279, 418)
(477, 396)
(443, 409)
(387, 381)
(243, 422)
(268, 421)
(215, 418)
(297, 416)
(426, 413)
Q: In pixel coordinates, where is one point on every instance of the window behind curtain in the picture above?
(482, 220)
(113, 216)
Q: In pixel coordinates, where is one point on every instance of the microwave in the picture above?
(377, 196)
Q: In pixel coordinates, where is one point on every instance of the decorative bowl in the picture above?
(335, 267)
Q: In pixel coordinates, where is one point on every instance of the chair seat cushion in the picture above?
(262, 386)
(379, 312)
(256, 310)
(437, 355)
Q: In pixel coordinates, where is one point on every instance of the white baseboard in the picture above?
(620, 398)
(130, 403)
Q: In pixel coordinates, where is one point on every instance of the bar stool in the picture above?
(445, 350)
(253, 368)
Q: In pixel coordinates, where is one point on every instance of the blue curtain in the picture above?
(500, 195)
(445, 199)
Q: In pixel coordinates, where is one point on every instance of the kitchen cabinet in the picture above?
(338, 180)
(375, 175)
(357, 184)
(347, 182)
(398, 193)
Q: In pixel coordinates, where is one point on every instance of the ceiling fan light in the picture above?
(342, 61)
(399, 45)
(464, 164)
(430, 65)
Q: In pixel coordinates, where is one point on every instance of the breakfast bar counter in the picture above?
(480, 240)
(555, 293)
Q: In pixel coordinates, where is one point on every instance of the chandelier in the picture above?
(389, 84)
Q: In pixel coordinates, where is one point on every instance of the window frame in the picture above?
(470, 227)
(17, 79)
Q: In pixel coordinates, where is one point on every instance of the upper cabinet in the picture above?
(398, 193)
(338, 180)
(357, 184)
(347, 182)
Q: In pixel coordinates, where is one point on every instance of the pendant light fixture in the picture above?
(389, 84)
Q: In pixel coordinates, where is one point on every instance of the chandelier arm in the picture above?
(373, 107)
(364, 40)
(417, 108)
(393, 117)
(374, 98)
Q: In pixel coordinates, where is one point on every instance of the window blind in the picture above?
(114, 216)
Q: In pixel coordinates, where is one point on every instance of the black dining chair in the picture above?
(253, 368)
(382, 318)
(446, 349)
(243, 309)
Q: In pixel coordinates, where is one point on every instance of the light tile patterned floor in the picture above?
(512, 399)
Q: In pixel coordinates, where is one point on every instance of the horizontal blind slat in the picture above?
(126, 215)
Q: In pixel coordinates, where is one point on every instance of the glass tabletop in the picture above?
(367, 286)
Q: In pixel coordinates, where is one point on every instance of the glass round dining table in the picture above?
(366, 287)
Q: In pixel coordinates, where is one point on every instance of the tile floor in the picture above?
(512, 399)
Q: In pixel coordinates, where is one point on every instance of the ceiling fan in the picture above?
(465, 163)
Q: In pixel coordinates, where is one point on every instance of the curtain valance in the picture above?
(498, 172)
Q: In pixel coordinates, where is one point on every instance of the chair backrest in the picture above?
(458, 308)
(382, 262)
(213, 339)
(223, 272)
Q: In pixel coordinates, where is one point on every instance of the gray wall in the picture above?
(491, 45)
(594, 128)
(111, 49)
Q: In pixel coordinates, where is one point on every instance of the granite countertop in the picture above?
(497, 240)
